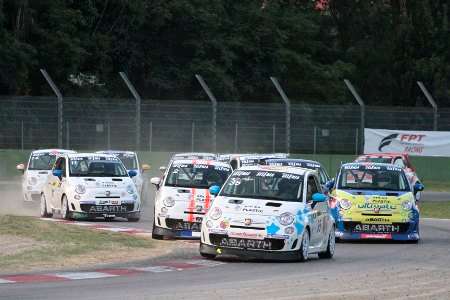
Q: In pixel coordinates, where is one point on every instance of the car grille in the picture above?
(222, 240)
(179, 224)
(357, 227)
(92, 208)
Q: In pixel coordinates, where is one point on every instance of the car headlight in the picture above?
(289, 230)
(345, 204)
(407, 205)
(130, 189)
(80, 189)
(215, 213)
(169, 202)
(32, 180)
(209, 224)
(286, 219)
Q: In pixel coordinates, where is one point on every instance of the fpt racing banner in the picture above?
(419, 143)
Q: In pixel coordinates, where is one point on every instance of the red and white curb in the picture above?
(161, 267)
(132, 231)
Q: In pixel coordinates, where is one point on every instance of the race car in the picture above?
(131, 162)
(242, 160)
(269, 212)
(401, 160)
(36, 171)
(90, 185)
(182, 197)
(194, 155)
(375, 201)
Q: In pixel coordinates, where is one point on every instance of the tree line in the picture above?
(382, 46)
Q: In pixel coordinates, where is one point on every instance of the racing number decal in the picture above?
(191, 205)
(207, 200)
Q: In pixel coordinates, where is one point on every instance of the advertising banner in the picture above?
(419, 143)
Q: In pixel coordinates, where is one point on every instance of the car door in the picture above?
(57, 183)
(319, 212)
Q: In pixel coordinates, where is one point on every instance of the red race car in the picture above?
(400, 160)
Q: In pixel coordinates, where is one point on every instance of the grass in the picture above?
(437, 186)
(440, 210)
(54, 245)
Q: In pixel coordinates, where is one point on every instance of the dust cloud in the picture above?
(11, 200)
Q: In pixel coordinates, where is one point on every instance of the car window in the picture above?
(323, 176)
(312, 188)
(61, 165)
(399, 162)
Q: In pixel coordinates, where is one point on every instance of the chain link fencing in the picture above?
(175, 126)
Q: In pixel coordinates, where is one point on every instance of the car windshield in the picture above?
(387, 179)
(129, 160)
(97, 166)
(264, 185)
(196, 175)
(42, 161)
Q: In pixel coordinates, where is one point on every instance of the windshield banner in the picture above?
(418, 143)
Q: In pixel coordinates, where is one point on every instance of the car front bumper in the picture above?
(249, 254)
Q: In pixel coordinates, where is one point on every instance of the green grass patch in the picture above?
(436, 186)
(53, 243)
(440, 210)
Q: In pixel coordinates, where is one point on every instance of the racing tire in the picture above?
(331, 246)
(136, 219)
(65, 211)
(154, 235)
(44, 213)
(304, 247)
(109, 219)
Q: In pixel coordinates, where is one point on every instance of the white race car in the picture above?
(269, 212)
(89, 185)
(131, 162)
(182, 197)
(36, 171)
(194, 155)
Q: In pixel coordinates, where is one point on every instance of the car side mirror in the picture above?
(145, 167)
(57, 173)
(418, 187)
(132, 173)
(156, 181)
(162, 169)
(319, 197)
(214, 190)
(330, 184)
(20, 167)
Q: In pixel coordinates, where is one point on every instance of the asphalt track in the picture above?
(358, 271)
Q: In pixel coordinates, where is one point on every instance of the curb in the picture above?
(161, 267)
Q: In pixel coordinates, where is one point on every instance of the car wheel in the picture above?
(304, 247)
(44, 212)
(207, 255)
(331, 246)
(154, 235)
(65, 212)
(134, 219)
(109, 219)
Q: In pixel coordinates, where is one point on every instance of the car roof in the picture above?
(193, 154)
(115, 152)
(366, 164)
(90, 154)
(294, 160)
(384, 154)
(53, 151)
(285, 169)
(201, 162)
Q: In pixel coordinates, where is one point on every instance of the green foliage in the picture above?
(384, 47)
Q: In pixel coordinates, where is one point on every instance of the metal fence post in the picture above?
(108, 134)
(214, 109)
(315, 140)
(150, 138)
(60, 105)
(21, 135)
(192, 136)
(363, 111)
(236, 132)
(287, 102)
(138, 108)
(67, 135)
(356, 141)
(274, 128)
(432, 102)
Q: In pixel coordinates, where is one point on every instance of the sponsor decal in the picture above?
(108, 209)
(246, 235)
(381, 228)
(385, 236)
(188, 226)
(373, 206)
(255, 209)
(248, 222)
(246, 243)
(376, 219)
